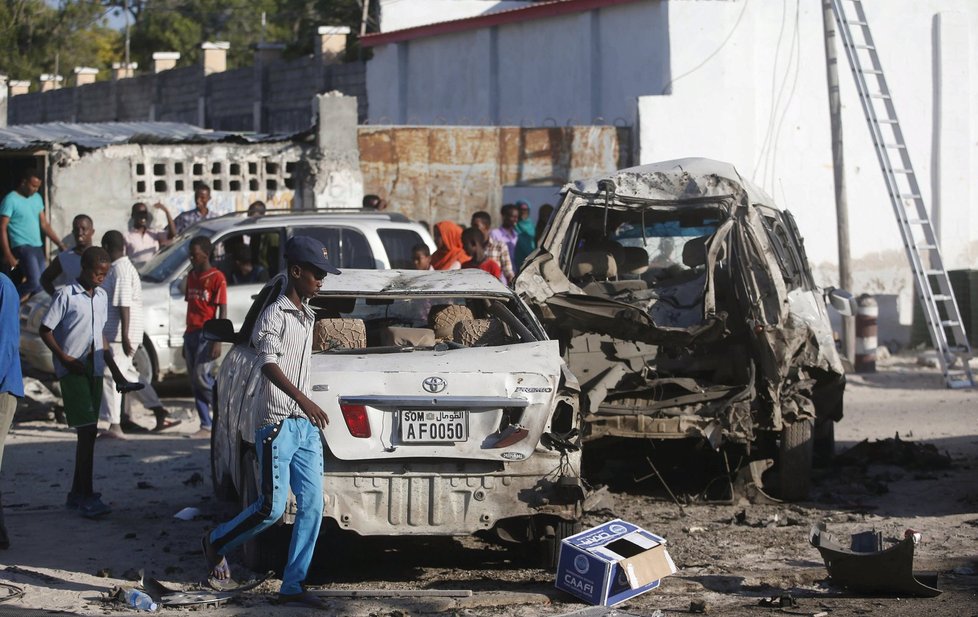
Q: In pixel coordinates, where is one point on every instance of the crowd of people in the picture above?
(499, 251)
(94, 327)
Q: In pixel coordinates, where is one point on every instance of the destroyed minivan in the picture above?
(686, 308)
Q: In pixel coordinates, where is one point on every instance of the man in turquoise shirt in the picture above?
(21, 222)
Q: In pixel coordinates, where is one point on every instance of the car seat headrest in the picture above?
(596, 265)
(694, 252)
(636, 260)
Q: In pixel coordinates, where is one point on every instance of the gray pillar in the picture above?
(3, 100)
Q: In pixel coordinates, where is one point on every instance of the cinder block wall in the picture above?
(276, 97)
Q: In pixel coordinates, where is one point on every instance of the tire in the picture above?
(223, 488)
(269, 549)
(824, 442)
(795, 460)
(555, 531)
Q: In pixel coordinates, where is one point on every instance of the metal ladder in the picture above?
(933, 285)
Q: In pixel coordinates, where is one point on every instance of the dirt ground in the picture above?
(729, 556)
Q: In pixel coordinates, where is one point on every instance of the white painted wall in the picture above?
(401, 14)
(737, 80)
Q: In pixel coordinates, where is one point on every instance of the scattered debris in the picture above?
(167, 596)
(869, 568)
(601, 611)
(195, 480)
(13, 592)
(782, 601)
(132, 575)
(698, 606)
(749, 485)
(895, 451)
(187, 514)
(104, 573)
(392, 593)
(144, 485)
(38, 403)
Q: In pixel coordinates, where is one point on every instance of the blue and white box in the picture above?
(610, 563)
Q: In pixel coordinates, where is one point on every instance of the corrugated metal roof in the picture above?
(101, 134)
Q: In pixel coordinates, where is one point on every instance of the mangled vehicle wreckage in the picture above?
(686, 308)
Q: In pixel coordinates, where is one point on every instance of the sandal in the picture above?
(218, 564)
(165, 424)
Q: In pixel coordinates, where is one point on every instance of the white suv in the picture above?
(355, 239)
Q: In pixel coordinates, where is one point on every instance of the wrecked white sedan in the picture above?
(686, 309)
(450, 411)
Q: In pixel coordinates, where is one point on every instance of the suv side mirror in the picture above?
(220, 330)
(842, 301)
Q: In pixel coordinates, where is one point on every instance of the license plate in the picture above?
(434, 426)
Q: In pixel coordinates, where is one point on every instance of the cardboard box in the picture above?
(610, 563)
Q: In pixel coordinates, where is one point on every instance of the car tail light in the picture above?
(356, 420)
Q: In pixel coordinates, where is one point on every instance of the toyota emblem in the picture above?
(433, 385)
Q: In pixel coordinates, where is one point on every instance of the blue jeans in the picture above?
(200, 367)
(31, 263)
(290, 454)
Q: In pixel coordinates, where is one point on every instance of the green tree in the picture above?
(40, 37)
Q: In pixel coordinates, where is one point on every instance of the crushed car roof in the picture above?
(94, 135)
(456, 282)
(677, 180)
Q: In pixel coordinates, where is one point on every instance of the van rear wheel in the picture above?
(795, 459)
(554, 531)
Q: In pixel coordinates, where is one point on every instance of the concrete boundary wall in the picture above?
(274, 97)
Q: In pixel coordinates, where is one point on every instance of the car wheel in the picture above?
(555, 530)
(269, 549)
(223, 488)
(795, 460)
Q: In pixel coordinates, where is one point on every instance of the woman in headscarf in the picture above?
(525, 235)
(450, 255)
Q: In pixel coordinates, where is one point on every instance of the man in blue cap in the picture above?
(288, 440)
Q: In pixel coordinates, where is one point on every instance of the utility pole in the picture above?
(838, 173)
(125, 10)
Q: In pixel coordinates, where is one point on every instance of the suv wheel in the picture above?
(269, 549)
(795, 459)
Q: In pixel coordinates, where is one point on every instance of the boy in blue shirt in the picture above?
(73, 329)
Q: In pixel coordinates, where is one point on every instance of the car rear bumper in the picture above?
(447, 499)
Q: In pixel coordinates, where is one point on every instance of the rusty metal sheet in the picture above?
(449, 172)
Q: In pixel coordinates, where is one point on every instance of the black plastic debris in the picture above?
(864, 566)
(895, 451)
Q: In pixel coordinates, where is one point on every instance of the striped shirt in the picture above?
(283, 335)
(499, 252)
(124, 288)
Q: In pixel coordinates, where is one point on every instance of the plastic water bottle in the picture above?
(140, 601)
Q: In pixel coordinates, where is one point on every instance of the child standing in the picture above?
(474, 244)
(421, 257)
(73, 330)
(288, 439)
(207, 298)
